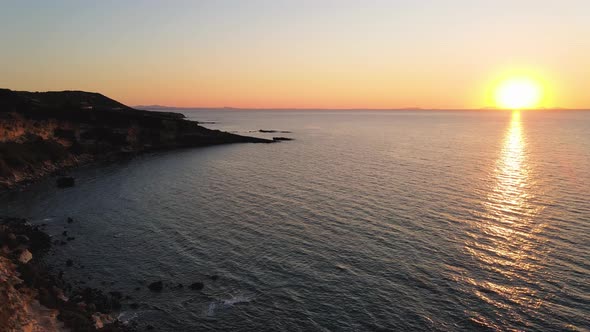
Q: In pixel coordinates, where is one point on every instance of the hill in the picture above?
(45, 132)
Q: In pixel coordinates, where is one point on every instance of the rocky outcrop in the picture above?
(20, 309)
(281, 139)
(44, 132)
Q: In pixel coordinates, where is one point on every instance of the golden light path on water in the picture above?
(505, 241)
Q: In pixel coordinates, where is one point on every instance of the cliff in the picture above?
(44, 132)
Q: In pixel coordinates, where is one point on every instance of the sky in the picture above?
(298, 54)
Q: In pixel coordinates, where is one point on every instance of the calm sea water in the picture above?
(403, 221)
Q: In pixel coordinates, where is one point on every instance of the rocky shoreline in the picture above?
(34, 298)
(37, 296)
(43, 133)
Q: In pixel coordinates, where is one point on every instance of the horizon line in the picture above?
(162, 107)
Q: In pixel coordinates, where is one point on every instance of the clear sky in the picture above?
(300, 53)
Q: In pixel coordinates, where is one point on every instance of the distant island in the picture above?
(46, 132)
(174, 108)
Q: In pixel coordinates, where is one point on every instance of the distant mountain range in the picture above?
(172, 108)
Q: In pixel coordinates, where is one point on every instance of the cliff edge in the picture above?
(45, 132)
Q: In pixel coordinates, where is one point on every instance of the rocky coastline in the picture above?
(44, 134)
(33, 298)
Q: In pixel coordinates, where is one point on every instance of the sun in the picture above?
(518, 93)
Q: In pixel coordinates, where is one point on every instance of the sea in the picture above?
(365, 221)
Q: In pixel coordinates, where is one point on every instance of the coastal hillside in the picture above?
(44, 132)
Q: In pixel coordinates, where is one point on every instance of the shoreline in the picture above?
(40, 140)
(34, 297)
(44, 133)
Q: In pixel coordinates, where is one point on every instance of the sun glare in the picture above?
(518, 93)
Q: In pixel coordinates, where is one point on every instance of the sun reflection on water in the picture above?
(505, 239)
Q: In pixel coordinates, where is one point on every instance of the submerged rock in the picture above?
(197, 286)
(65, 182)
(69, 262)
(156, 286)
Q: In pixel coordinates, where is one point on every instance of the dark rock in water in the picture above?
(156, 286)
(214, 277)
(65, 233)
(69, 262)
(70, 220)
(282, 139)
(71, 238)
(65, 182)
(197, 286)
(62, 243)
(149, 327)
(274, 131)
(137, 288)
(16, 232)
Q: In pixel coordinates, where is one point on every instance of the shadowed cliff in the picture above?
(43, 132)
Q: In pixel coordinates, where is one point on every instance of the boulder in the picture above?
(25, 256)
(100, 320)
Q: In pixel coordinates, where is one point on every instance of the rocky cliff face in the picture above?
(44, 132)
